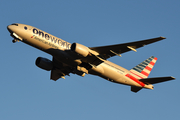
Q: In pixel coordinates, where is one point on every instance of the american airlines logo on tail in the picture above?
(143, 69)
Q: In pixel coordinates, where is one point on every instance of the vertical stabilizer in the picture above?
(143, 70)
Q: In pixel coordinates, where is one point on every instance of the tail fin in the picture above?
(143, 70)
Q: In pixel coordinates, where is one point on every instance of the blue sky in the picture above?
(26, 92)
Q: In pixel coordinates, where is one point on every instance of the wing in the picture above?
(112, 50)
(60, 70)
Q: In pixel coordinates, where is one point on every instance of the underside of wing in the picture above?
(112, 50)
(60, 70)
(56, 74)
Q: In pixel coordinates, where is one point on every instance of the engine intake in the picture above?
(80, 49)
(44, 63)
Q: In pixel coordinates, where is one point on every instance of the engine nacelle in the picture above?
(80, 49)
(44, 63)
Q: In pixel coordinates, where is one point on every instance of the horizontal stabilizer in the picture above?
(156, 80)
(135, 89)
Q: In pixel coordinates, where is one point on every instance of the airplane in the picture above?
(81, 60)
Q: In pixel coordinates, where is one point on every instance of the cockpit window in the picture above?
(15, 24)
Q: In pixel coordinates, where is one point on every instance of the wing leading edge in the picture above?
(112, 50)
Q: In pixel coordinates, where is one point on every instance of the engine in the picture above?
(80, 49)
(44, 63)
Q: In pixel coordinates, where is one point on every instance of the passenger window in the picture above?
(25, 28)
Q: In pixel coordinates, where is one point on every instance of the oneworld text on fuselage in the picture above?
(53, 39)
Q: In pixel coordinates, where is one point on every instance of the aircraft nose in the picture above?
(12, 27)
(9, 28)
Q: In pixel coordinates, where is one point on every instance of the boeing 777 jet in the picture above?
(81, 60)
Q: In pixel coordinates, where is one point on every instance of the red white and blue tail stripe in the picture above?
(140, 73)
(143, 70)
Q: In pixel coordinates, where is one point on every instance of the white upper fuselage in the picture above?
(60, 49)
(41, 39)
